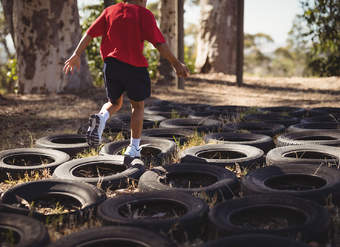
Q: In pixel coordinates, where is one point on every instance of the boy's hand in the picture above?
(181, 69)
(72, 63)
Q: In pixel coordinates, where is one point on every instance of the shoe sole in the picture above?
(92, 133)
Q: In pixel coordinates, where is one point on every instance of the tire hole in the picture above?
(267, 218)
(94, 170)
(157, 209)
(28, 160)
(188, 180)
(308, 155)
(69, 140)
(295, 182)
(221, 155)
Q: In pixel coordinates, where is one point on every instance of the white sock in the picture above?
(135, 142)
(105, 114)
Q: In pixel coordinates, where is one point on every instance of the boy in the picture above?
(124, 27)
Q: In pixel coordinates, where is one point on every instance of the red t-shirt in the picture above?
(123, 28)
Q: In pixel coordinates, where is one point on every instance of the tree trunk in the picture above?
(168, 27)
(45, 33)
(216, 45)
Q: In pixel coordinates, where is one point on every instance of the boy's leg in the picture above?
(137, 116)
(97, 121)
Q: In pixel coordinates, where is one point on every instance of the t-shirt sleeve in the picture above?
(150, 30)
(97, 28)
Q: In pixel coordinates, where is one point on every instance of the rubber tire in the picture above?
(166, 110)
(252, 240)
(149, 121)
(226, 187)
(322, 118)
(58, 157)
(253, 155)
(130, 235)
(132, 171)
(294, 138)
(272, 118)
(167, 148)
(285, 110)
(86, 194)
(255, 181)
(315, 215)
(32, 233)
(317, 126)
(190, 222)
(279, 155)
(173, 134)
(256, 140)
(70, 148)
(269, 129)
(197, 124)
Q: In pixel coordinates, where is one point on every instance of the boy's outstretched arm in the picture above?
(74, 60)
(181, 69)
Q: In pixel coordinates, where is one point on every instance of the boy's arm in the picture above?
(74, 60)
(181, 69)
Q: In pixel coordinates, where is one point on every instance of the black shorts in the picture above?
(121, 77)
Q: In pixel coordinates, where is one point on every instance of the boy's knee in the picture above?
(137, 105)
(117, 103)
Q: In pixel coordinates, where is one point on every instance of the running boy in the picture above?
(123, 28)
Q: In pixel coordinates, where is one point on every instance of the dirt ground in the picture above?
(24, 118)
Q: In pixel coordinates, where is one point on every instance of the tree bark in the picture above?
(45, 33)
(167, 25)
(216, 45)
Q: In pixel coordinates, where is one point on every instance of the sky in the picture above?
(273, 17)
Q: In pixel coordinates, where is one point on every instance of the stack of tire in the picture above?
(262, 177)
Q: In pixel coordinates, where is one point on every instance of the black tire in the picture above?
(211, 114)
(285, 110)
(177, 135)
(149, 121)
(329, 110)
(156, 150)
(272, 118)
(318, 126)
(263, 128)
(71, 144)
(228, 111)
(319, 137)
(167, 111)
(245, 155)
(197, 124)
(222, 184)
(335, 118)
(20, 160)
(114, 125)
(256, 140)
(86, 196)
(254, 240)
(301, 180)
(118, 177)
(308, 154)
(188, 212)
(227, 217)
(113, 236)
(23, 231)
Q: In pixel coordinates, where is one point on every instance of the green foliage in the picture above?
(93, 49)
(9, 77)
(323, 28)
(152, 56)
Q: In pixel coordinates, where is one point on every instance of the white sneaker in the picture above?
(95, 130)
(132, 152)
